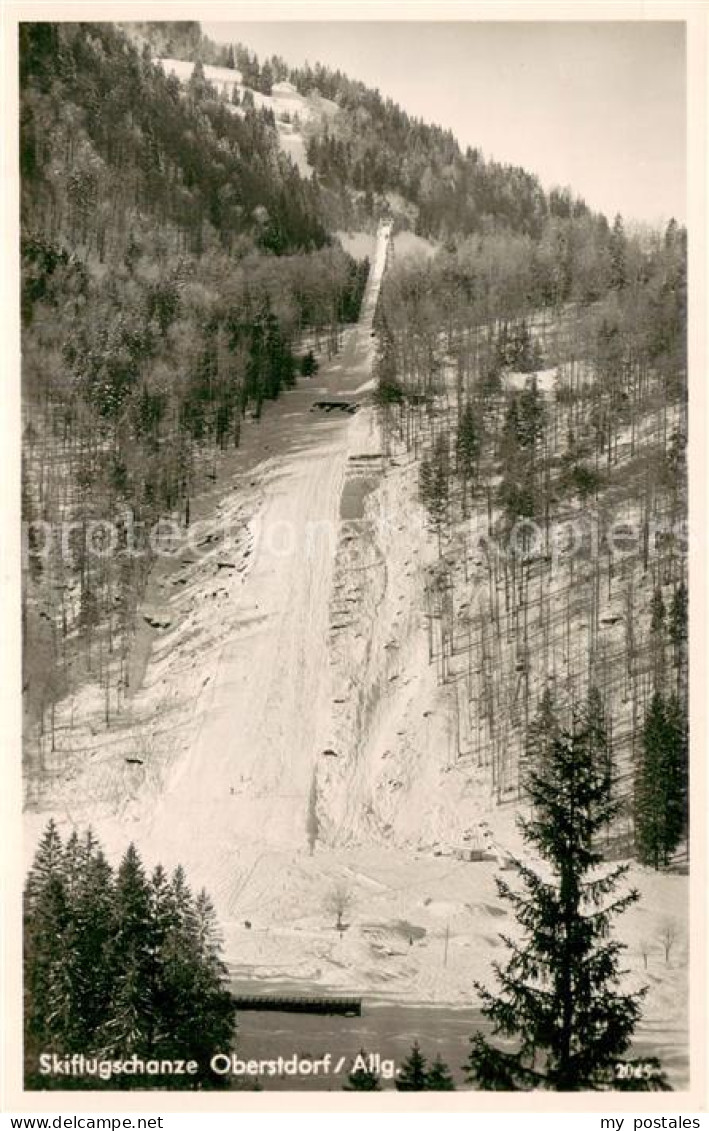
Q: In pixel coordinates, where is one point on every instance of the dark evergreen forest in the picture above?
(176, 274)
(117, 965)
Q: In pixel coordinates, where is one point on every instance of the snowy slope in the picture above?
(234, 707)
(285, 102)
(248, 774)
(312, 640)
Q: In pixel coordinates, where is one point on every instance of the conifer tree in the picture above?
(558, 999)
(649, 815)
(308, 364)
(312, 825)
(131, 1026)
(121, 965)
(165, 986)
(438, 1077)
(389, 389)
(677, 771)
(361, 1078)
(541, 733)
(176, 923)
(657, 638)
(413, 1075)
(661, 782)
(45, 921)
(618, 251)
(598, 742)
(678, 633)
(91, 939)
(47, 864)
(47, 1004)
(82, 978)
(531, 415)
(72, 861)
(213, 1021)
(433, 485)
(63, 1023)
(510, 439)
(467, 449)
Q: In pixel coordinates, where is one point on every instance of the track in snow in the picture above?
(243, 786)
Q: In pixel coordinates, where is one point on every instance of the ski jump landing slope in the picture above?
(243, 787)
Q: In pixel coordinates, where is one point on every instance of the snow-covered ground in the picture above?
(406, 244)
(291, 109)
(223, 735)
(296, 655)
(546, 380)
(360, 245)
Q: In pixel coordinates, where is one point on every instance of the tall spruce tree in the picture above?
(618, 254)
(165, 987)
(413, 1073)
(467, 450)
(48, 863)
(130, 1027)
(433, 485)
(361, 1078)
(679, 634)
(45, 922)
(120, 964)
(661, 782)
(599, 745)
(531, 415)
(48, 1019)
(542, 731)
(438, 1077)
(558, 1000)
(657, 638)
(648, 797)
(72, 861)
(213, 1015)
(677, 770)
(175, 904)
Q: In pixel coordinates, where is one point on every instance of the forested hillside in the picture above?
(539, 390)
(180, 270)
(373, 154)
(175, 273)
(191, 163)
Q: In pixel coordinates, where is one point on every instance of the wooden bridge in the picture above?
(275, 1003)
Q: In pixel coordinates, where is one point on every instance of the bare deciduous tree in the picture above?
(338, 901)
(668, 938)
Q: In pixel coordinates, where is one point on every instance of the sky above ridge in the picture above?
(598, 106)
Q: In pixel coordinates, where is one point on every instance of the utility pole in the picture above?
(445, 945)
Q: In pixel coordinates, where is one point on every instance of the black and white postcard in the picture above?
(352, 440)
